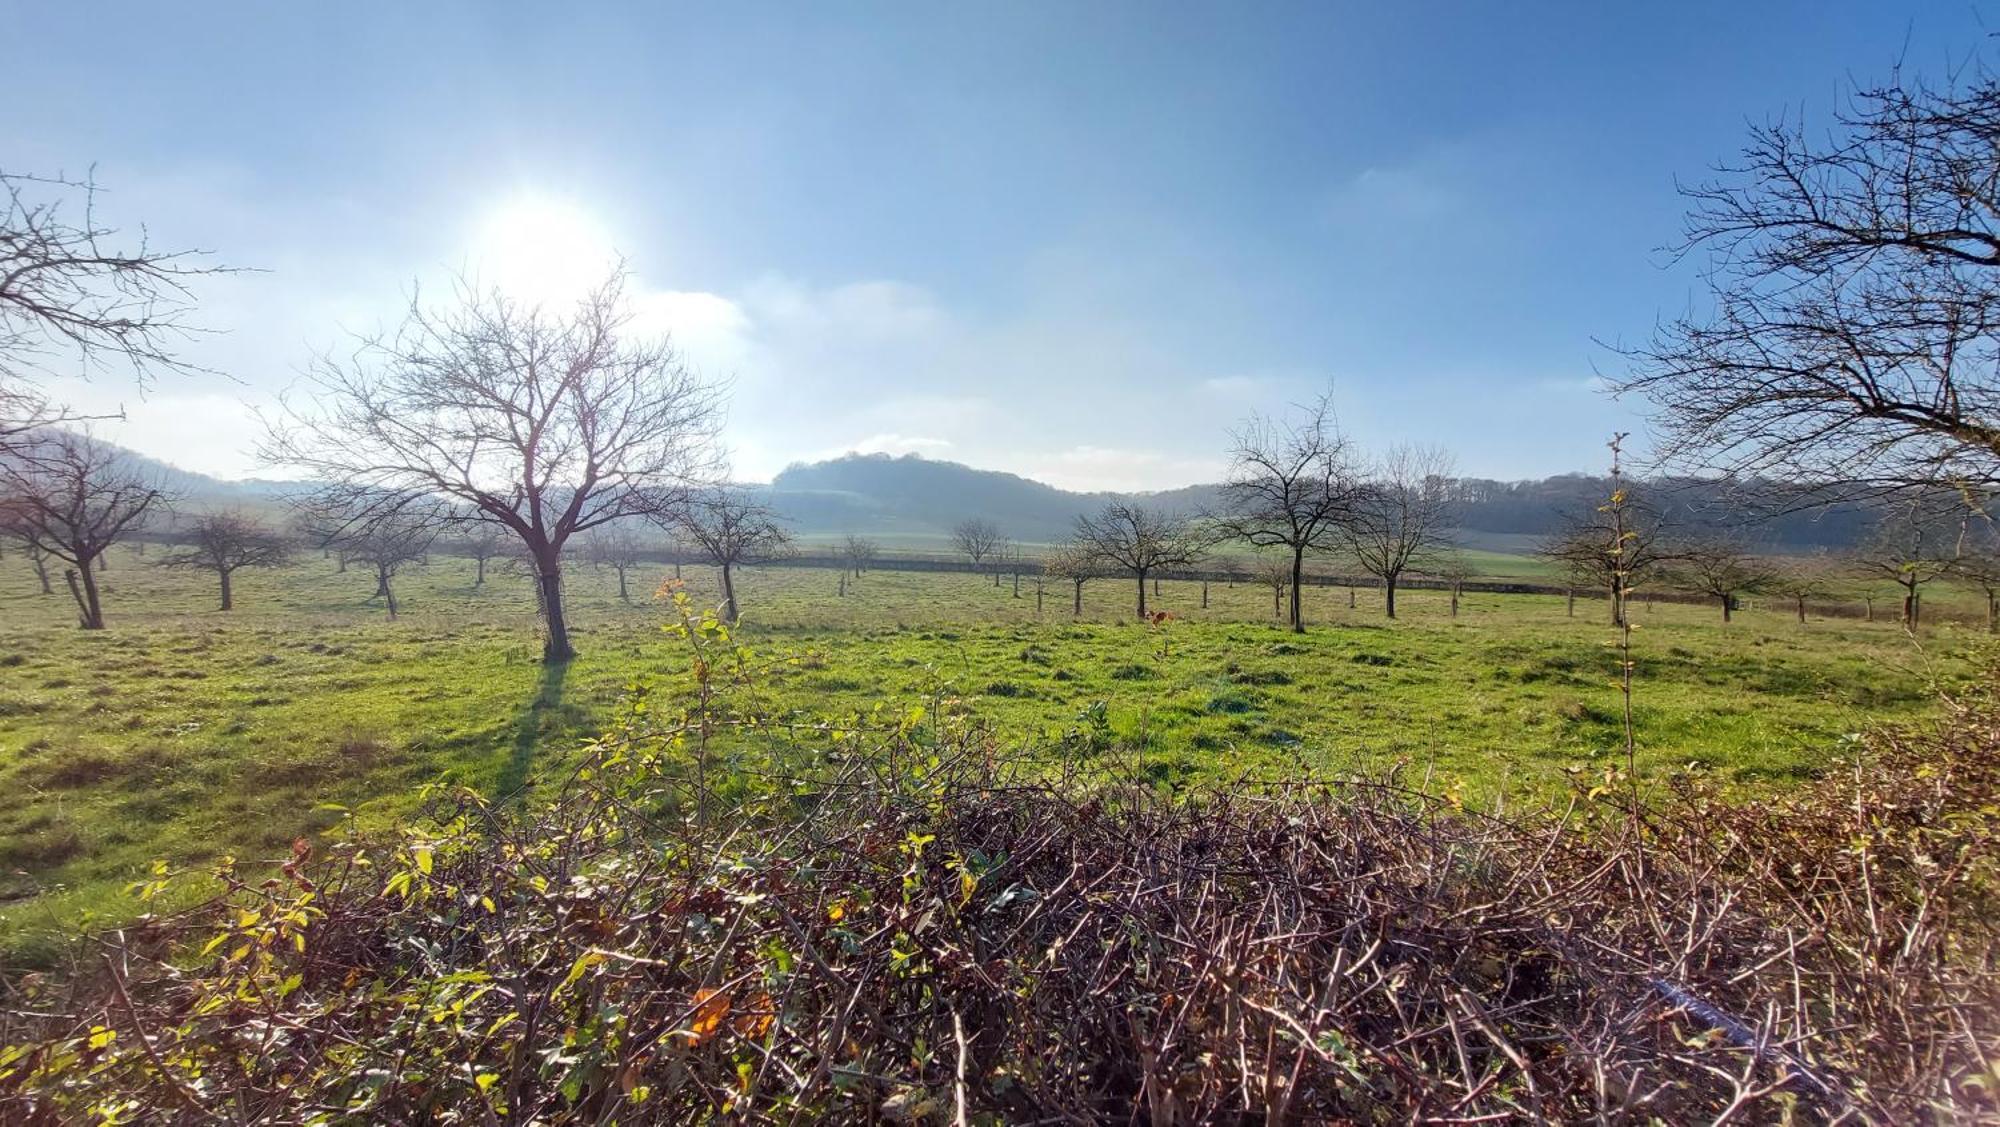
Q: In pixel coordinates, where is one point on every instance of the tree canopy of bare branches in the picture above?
(859, 552)
(70, 284)
(1401, 516)
(1139, 541)
(978, 540)
(1290, 486)
(71, 497)
(1723, 568)
(1075, 563)
(731, 530)
(544, 425)
(479, 543)
(1801, 578)
(1856, 300)
(617, 547)
(389, 542)
(225, 543)
(1919, 540)
(1616, 546)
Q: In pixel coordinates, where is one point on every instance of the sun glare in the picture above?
(542, 250)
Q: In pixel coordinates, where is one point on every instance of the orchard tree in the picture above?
(540, 424)
(1919, 540)
(1800, 578)
(1722, 569)
(1139, 541)
(1278, 574)
(617, 548)
(1291, 486)
(225, 543)
(480, 543)
(859, 553)
(389, 543)
(1401, 516)
(1617, 546)
(731, 530)
(1076, 564)
(71, 497)
(978, 540)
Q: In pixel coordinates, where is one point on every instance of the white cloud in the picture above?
(711, 331)
(210, 432)
(897, 444)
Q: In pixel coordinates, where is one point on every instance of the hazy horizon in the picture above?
(1073, 244)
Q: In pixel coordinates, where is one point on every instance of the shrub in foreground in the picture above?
(891, 923)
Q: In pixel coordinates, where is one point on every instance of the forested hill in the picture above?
(915, 496)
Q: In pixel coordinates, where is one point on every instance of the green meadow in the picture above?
(185, 733)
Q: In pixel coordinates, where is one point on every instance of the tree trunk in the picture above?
(1910, 606)
(228, 603)
(1571, 592)
(556, 647)
(1204, 594)
(1869, 602)
(1992, 611)
(1278, 602)
(622, 596)
(996, 577)
(1142, 594)
(677, 567)
(41, 571)
(1454, 600)
(1389, 594)
(89, 614)
(480, 579)
(1017, 584)
(1802, 610)
(1038, 596)
(1156, 587)
(1617, 604)
(1350, 596)
(1728, 604)
(383, 588)
(729, 594)
(1298, 576)
(1076, 605)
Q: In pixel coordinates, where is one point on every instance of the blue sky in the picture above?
(1073, 241)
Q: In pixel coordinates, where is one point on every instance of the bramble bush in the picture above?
(721, 916)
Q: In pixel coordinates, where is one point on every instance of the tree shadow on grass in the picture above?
(513, 782)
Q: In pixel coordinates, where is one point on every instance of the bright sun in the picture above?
(542, 250)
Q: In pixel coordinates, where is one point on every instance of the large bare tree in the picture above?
(731, 530)
(1139, 541)
(1401, 518)
(1290, 486)
(1854, 317)
(225, 543)
(71, 497)
(543, 424)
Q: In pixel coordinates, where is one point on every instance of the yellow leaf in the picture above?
(423, 855)
(710, 1007)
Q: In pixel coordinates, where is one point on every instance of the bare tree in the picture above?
(225, 543)
(480, 544)
(1723, 568)
(72, 497)
(617, 548)
(1290, 486)
(1800, 578)
(1855, 299)
(978, 540)
(1139, 541)
(390, 542)
(546, 426)
(70, 284)
(1076, 564)
(1401, 517)
(1919, 540)
(731, 530)
(1277, 574)
(1617, 547)
(1454, 568)
(860, 553)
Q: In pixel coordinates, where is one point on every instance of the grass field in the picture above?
(183, 732)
